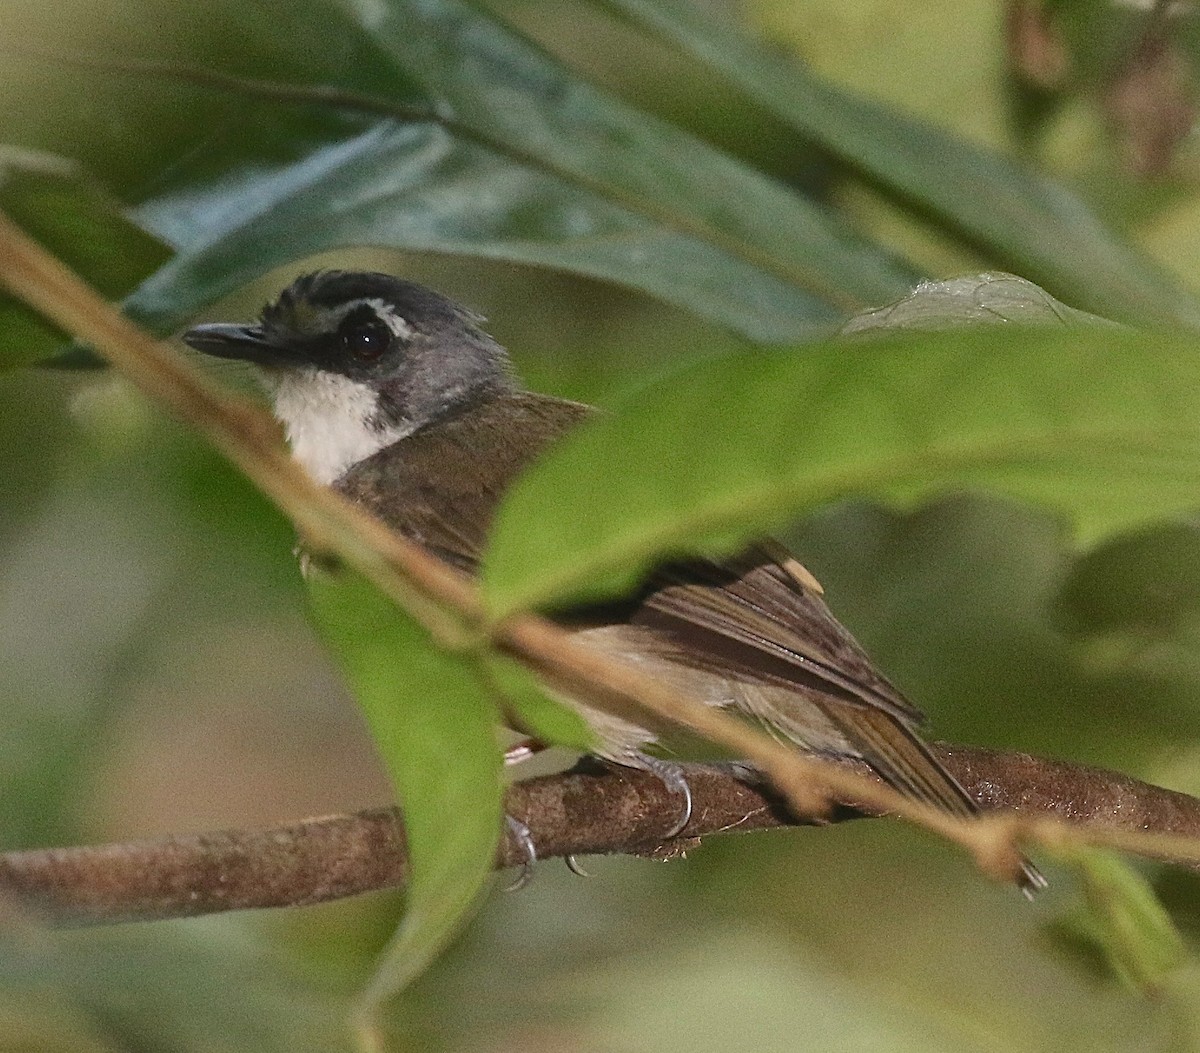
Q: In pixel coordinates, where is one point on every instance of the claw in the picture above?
(520, 833)
(671, 776)
(574, 867)
(522, 750)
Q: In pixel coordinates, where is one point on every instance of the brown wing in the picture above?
(757, 622)
(774, 629)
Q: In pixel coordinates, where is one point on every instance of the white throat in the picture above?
(329, 421)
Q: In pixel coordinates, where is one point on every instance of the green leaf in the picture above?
(436, 730)
(1103, 424)
(81, 224)
(498, 85)
(454, 134)
(1024, 220)
(535, 712)
(1122, 918)
(342, 180)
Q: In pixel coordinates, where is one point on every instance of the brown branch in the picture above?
(577, 813)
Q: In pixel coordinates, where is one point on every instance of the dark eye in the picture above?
(365, 338)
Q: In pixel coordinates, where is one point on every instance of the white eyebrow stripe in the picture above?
(386, 314)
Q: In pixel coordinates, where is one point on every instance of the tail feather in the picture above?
(907, 764)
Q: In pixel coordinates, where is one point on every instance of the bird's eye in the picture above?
(365, 338)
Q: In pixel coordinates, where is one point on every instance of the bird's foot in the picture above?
(524, 839)
(671, 776)
(520, 751)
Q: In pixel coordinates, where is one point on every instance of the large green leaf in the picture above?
(436, 729)
(1103, 424)
(337, 180)
(82, 225)
(1022, 219)
(454, 134)
(502, 88)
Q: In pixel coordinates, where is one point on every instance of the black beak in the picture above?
(245, 342)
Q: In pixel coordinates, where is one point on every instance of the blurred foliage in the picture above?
(1123, 922)
(158, 676)
(82, 225)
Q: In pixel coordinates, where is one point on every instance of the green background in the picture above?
(157, 673)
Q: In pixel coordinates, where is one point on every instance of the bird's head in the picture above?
(359, 360)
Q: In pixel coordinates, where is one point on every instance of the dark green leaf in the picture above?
(347, 181)
(1146, 582)
(524, 162)
(436, 729)
(502, 88)
(1026, 221)
(1103, 424)
(82, 225)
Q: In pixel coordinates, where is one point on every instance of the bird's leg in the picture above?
(519, 751)
(520, 833)
(671, 776)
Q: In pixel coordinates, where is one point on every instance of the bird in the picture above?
(396, 397)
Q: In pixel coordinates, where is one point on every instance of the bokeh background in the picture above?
(157, 672)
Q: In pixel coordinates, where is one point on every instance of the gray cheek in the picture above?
(434, 378)
(397, 396)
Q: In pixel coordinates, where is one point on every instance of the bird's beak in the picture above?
(246, 342)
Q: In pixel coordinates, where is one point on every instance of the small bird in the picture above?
(393, 395)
